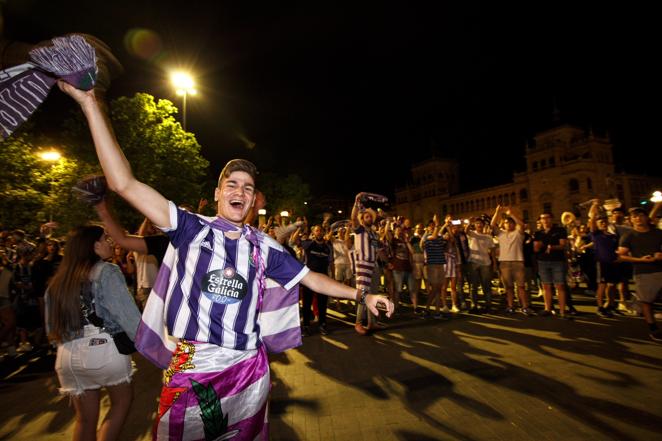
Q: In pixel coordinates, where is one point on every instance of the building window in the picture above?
(543, 163)
(573, 185)
(525, 213)
(523, 195)
(547, 207)
(552, 162)
(589, 183)
(535, 165)
(513, 201)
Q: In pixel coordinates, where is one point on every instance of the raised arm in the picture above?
(516, 217)
(115, 166)
(495, 218)
(118, 234)
(356, 211)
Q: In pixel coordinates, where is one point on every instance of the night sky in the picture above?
(349, 94)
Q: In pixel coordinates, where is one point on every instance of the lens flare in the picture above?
(143, 43)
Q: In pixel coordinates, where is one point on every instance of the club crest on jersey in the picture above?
(224, 286)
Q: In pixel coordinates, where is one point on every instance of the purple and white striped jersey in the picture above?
(366, 244)
(214, 290)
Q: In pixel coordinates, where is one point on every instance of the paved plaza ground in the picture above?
(470, 378)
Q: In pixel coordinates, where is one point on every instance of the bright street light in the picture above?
(50, 155)
(284, 213)
(657, 196)
(262, 212)
(184, 86)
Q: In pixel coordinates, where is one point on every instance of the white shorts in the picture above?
(90, 363)
(343, 271)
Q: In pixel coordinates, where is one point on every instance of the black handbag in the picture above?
(124, 344)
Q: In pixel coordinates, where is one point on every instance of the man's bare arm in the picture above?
(115, 166)
(118, 234)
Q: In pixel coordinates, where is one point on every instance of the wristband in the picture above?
(360, 296)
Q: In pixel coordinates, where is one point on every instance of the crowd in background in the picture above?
(488, 264)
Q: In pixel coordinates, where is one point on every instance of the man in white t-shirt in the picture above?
(511, 256)
(481, 263)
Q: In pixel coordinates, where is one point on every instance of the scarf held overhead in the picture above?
(24, 87)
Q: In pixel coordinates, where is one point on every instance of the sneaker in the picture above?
(656, 335)
(24, 346)
(545, 313)
(509, 310)
(622, 307)
(455, 310)
(445, 310)
(323, 329)
(604, 312)
(360, 329)
(527, 311)
(572, 310)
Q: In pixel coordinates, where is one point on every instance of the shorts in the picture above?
(451, 267)
(436, 274)
(512, 272)
(648, 286)
(609, 272)
(552, 272)
(417, 267)
(342, 272)
(627, 271)
(91, 362)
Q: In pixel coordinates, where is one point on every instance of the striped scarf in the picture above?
(24, 87)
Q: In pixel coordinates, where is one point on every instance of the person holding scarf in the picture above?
(215, 274)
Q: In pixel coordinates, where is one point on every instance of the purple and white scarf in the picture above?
(24, 87)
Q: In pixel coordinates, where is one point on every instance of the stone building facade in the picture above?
(565, 167)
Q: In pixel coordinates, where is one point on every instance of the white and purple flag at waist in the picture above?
(24, 87)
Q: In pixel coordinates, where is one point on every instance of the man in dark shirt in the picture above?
(642, 246)
(319, 257)
(549, 244)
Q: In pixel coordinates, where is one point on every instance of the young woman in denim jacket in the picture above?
(86, 304)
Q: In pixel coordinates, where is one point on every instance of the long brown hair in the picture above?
(64, 310)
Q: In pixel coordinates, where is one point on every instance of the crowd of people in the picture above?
(207, 287)
(431, 271)
(461, 265)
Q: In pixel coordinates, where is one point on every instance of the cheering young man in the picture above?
(217, 380)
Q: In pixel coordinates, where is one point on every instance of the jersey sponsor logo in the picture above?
(206, 244)
(224, 286)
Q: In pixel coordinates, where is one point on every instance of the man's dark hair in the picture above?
(238, 165)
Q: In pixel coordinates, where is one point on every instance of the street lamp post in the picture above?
(184, 86)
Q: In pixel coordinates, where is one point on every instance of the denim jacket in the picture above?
(112, 301)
